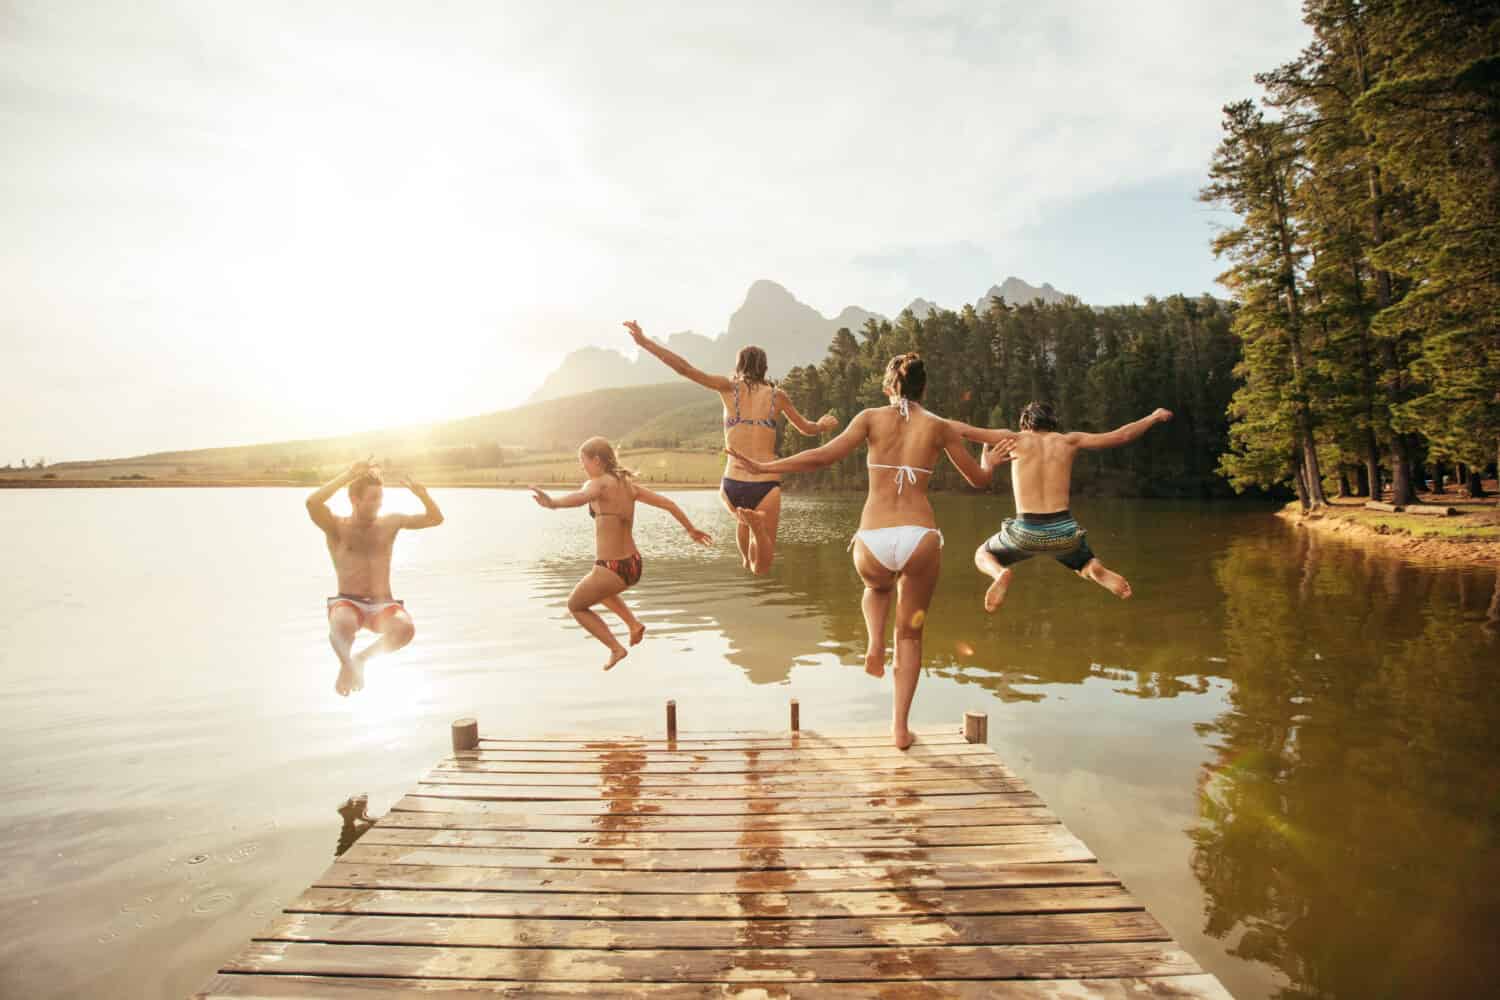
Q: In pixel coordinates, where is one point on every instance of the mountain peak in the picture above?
(767, 292)
(1017, 292)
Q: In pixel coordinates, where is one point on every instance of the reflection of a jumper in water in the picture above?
(768, 625)
(357, 820)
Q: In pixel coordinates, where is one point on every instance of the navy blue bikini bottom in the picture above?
(747, 496)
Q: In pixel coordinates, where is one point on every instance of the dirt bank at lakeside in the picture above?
(1471, 538)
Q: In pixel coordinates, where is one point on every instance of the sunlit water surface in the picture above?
(1287, 748)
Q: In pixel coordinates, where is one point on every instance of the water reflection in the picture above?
(1350, 817)
(357, 821)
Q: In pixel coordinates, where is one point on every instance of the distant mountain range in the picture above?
(791, 332)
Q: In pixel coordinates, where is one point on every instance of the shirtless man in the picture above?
(1041, 475)
(361, 549)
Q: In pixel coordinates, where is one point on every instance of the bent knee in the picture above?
(577, 606)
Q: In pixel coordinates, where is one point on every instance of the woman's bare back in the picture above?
(903, 453)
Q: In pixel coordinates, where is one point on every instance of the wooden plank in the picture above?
(625, 840)
(346, 875)
(1055, 845)
(426, 802)
(924, 769)
(233, 986)
(874, 733)
(1039, 961)
(738, 778)
(716, 764)
(916, 751)
(726, 784)
(1389, 508)
(807, 740)
(1105, 894)
(1022, 808)
(843, 932)
(803, 792)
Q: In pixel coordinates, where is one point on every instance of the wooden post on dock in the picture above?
(465, 734)
(671, 719)
(976, 727)
(796, 716)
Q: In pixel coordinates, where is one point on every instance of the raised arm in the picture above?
(1120, 435)
(976, 474)
(824, 424)
(431, 516)
(985, 435)
(653, 499)
(675, 361)
(589, 491)
(317, 502)
(816, 458)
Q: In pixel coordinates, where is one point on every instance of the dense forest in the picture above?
(1101, 367)
(1366, 261)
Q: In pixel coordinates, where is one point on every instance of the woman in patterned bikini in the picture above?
(898, 549)
(610, 495)
(751, 406)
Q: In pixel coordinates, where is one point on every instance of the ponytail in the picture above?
(600, 448)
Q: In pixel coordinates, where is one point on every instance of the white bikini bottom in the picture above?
(892, 547)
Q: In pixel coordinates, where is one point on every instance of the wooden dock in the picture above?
(766, 865)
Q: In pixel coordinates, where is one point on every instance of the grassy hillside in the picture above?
(700, 424)
(451, 450)
(536, 437)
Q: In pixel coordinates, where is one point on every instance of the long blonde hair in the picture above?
(599, 448)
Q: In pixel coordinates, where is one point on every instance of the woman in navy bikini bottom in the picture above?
(898, 548)
(751, 406)
(610, 495)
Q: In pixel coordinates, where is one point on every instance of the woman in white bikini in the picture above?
(751, 406)
(610, 495)
(898, 546)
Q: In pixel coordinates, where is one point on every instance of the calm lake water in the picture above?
(1288, 748)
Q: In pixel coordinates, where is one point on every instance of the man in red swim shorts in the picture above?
(361, 549)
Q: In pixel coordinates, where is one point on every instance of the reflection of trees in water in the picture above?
(1054, 628)
(1350, 821)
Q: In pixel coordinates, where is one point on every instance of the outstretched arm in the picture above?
(317, 502)
(1120, 435)
(675, 361)
(985, 435)
(590, 491)
(827, 422)
(815, 458)
(653, 499)
(976, 474)
(431, 516)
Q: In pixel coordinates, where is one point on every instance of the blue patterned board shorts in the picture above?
(1056, 535)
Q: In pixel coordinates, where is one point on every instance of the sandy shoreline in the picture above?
(1470, 539)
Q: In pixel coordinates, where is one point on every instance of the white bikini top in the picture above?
(904, 473)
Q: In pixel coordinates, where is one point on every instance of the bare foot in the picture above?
(902, 739)
(637, 633)
(875, 663)
(996, 594)
(345, 682)
(357, 667)
(1108, 579)
(616, 655)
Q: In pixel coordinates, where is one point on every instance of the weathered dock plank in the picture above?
(727, 864)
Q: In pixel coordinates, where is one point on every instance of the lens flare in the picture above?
(964, 649)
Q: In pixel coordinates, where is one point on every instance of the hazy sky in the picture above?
(234, 222)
